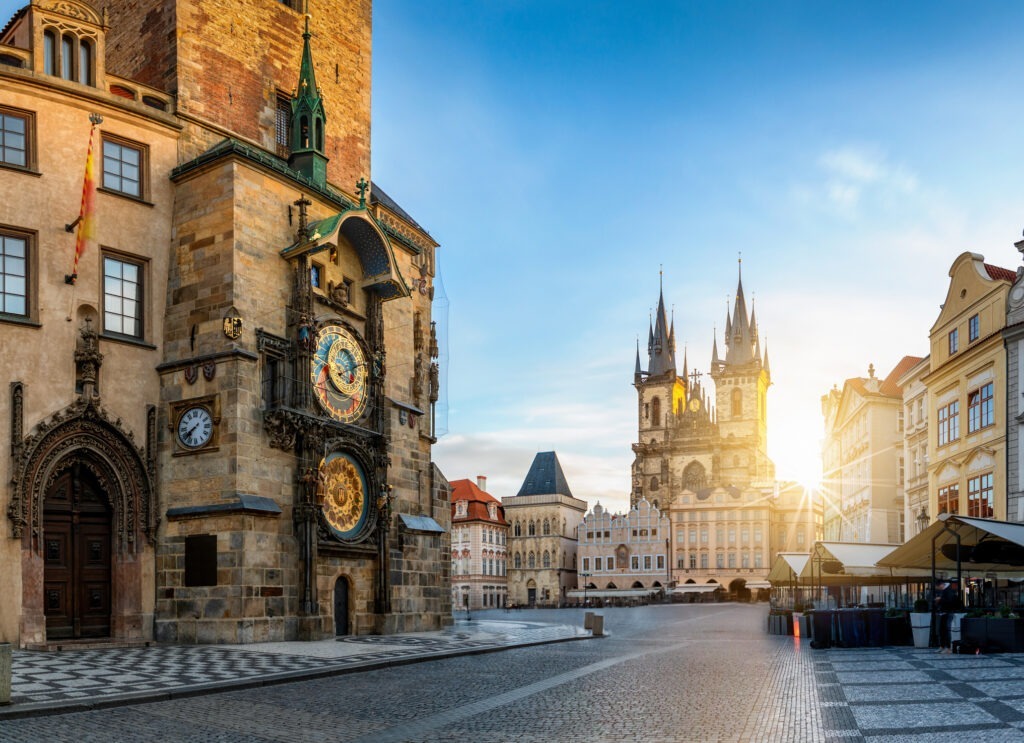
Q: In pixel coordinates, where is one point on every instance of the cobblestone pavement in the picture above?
(44, 681)
(665, 673)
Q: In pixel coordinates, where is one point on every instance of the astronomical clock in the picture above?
(339, 374)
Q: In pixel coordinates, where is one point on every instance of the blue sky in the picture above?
(561, 152)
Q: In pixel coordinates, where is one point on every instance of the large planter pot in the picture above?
(896, 630)
(1005, 635)
(921, 628)
(5, 673)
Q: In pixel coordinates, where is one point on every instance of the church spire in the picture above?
(714, 351)
(738, 338)
(662, 346)
(308, 120)
(637, 371)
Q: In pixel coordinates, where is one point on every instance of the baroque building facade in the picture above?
(863, 458)
(966, 382)
(233, 442)
(479, 543)
(915, 448)
(701, 457)
(1013, 339)
(544, 520)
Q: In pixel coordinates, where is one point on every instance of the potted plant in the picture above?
(921, 624)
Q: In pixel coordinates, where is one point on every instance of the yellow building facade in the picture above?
(966, 398)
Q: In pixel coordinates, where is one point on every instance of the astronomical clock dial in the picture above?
(694, 405)
(345, 495)
(339, 374)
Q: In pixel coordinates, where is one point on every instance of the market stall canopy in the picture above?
(787, 568)
(986, 545)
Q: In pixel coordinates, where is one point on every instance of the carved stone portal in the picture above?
(84, 434)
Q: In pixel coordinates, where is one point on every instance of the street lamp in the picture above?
(922, 520)
(584, 576)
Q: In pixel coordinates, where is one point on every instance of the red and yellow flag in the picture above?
(87, 213)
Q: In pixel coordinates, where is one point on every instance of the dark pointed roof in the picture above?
(545, 477)
(662, 356)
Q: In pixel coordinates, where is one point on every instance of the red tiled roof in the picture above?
(477, 501)
(890, 386)
(998, 273)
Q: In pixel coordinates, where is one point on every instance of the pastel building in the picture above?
(479, 542)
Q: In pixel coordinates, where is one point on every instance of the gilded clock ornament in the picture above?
(344, 495)
(339, 373)
(694, 405)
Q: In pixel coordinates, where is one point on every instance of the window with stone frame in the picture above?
(124, 166)
(283, 124)
(954, 341)
(123, 296)
(979, 496)
(14, 274)
(634, 562)
(949, 423)
(17, 129)
(704, 561)
(973, 329)
(980, 408)
(949, 499)
(693, 561)
(720, 561)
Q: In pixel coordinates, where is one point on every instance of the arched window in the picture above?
(531, 561)
(547, 527)
(49, 52)
(656, 412)
(84, 62)
(518, 531)
(694, 476)
(518, 561)
(547, 559)
(654, 484)
(67, 57)
(737, 403)
(319, 135)
(304, 132)
(531, 530)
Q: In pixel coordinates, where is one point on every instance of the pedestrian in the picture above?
(947, 602)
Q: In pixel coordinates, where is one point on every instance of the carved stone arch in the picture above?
(371, 244)
(83, 434)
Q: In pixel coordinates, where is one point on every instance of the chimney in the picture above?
(481, 482)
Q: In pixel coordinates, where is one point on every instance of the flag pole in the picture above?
(85, 223)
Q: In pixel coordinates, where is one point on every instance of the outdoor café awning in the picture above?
(787, 568)
(849, 563)
(754, 584)
(696, 588)
(608, 593)
(986, 546)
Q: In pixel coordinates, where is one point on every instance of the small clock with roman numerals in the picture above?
(194, 423)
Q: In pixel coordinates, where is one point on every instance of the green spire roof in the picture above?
(308, 119)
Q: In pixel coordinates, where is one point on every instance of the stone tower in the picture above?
(741, 381)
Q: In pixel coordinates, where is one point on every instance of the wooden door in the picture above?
(341, 606)
(77, 558)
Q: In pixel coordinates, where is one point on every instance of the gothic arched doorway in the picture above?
(76, 557)
(341, 606)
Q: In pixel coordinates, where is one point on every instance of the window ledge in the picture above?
(20, 320)
(20, 169)
(127, 341)
(123, 195)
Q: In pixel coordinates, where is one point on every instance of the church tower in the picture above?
(661, 396)
(741, 381)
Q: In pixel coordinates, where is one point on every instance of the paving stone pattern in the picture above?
(665, 673)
